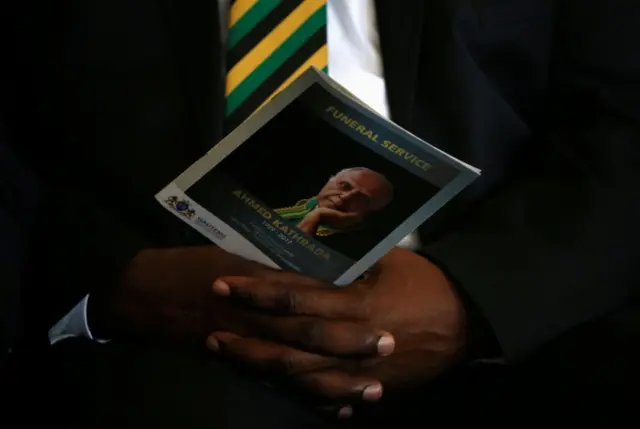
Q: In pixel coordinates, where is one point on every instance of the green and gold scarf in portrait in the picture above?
(299, 210)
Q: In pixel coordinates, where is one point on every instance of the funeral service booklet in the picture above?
(315, 182)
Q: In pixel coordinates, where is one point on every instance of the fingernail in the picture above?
(345, 412)
(221, 288)
(212, 343)
(372, 393)
(386, 345)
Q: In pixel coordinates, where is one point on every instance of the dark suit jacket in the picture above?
(19, 196)
(112, 99)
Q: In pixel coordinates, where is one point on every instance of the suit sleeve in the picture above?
(76, 244)
(77, 248)
(97, 111)
(556, 247)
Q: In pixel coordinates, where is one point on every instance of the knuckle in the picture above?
(293, 300)
(323, 384)
(248, 295)
(312, 335)
(284, 364)
(287, 302)
(360, 307)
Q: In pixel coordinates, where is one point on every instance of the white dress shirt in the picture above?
(355, 62)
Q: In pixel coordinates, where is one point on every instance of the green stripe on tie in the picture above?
(279, 56)
(249, 20)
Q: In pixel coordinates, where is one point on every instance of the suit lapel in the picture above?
(462, 111)
(196, 39)
(400, 29)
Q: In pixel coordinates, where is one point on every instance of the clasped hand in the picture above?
(399, 327)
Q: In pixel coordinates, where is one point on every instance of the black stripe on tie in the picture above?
(260, 31)
(257, 97)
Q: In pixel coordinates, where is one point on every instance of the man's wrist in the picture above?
(103, 315)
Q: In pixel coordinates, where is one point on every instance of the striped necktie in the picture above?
(270, 43)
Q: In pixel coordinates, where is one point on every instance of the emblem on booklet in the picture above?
(182, 207)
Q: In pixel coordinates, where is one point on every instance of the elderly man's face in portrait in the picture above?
(358, 190)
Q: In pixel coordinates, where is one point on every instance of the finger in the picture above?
(304, 371)
(329, 337)
(340, 411)
(403, 371)
(349, 215)
(337, 386)
(286, 298)
(327, 212)
(267, 357)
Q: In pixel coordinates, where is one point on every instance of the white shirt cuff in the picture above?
(74, 324)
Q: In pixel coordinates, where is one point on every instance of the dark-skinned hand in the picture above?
(165, 294)
(399, 327)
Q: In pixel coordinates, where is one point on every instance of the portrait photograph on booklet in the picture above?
(315, 182)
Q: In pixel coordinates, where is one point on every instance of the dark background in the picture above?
(292, 157)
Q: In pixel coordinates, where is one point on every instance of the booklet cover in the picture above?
(315, 182)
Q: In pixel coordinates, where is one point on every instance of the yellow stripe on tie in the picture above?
(270, 43)
(239, 8)
(318, 60)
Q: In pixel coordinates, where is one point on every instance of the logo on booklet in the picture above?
(181, 206)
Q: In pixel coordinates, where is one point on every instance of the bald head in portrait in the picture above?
(343, 204)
